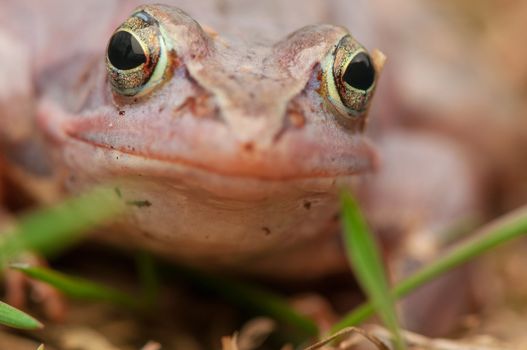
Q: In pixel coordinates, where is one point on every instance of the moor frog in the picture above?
(232, 141)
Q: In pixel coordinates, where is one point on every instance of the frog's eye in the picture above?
(125, 51)
(136, 57)
(349, 77)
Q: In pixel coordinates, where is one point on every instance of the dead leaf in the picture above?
(229, 343)
(255, 332)
(85, 339)
(151, 345)
(419, 342)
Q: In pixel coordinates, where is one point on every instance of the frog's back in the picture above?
(49, 25)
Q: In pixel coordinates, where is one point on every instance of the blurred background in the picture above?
(458, 67)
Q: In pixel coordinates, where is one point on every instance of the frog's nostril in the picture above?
(296, 116)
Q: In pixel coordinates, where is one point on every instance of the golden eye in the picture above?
(349, 77)
(136, 58)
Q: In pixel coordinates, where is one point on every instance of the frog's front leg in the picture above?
(426, 187)
(17, 132)
(16, 284)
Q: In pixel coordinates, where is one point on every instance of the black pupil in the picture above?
(360, 73)
(125, 52)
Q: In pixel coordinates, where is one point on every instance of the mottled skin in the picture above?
(237, 158)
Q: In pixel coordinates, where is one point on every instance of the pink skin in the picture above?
(238, 155)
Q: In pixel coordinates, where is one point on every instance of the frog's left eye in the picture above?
(349, 78)
(136, 57)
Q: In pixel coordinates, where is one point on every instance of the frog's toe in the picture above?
(15, 287)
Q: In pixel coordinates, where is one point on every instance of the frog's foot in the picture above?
(439, 306)
(17, 284)
(48, 298)
(428, 191)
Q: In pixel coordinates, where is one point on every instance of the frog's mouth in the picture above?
(186, 145)
(293, 157)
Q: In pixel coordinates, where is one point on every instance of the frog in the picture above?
(230, 146)
(221, 141)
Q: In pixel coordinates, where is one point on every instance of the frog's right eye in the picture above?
(136, 57)
(349, 78)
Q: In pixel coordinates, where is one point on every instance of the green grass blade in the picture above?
(365, 259)
(52, 229)
(41, 347)
(251, 297)
(149, 278)
(77, 287)
(12, 317)
(490, 236)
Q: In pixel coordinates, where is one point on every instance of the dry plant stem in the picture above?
(491, 235)
(347, 332)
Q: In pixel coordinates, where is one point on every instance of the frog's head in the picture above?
(292, 109)
(204, 124)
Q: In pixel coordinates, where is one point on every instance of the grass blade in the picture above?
(149, 279)
(364, 256)
(490, 236)
(52, 229)
(12, 317)
(251, 297)
(77, 287)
